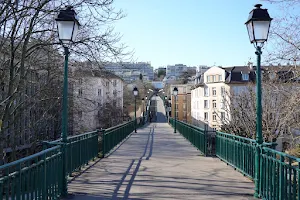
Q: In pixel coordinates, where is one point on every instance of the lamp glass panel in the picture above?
(135, 93)
(65, 29)
(261, 30)
(250, 31)
(76, 27)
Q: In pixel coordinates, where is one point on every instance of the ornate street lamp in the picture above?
(135, 93)
(67, 26)
(258, 26)
(175, 93)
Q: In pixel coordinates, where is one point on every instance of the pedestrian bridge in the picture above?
(154, 163)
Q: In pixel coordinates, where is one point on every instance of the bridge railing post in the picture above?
(205, 139)
(102, 133)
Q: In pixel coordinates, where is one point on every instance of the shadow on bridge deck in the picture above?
(155, 163)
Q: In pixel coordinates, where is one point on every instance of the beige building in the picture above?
(209, 96)
(98, 100)
(183, 102)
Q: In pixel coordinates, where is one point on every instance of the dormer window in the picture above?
(220, 77)
(245, 77)
(208, 79)
(214, 78)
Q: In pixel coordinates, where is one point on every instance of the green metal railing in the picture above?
(35, 177)
(279, 175)
(195, 135)
(81, 149)
(236, 151)
(39, 176)
(113, 136)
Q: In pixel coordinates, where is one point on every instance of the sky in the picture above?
(190, 32)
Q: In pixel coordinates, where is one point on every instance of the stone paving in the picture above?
(155, 163)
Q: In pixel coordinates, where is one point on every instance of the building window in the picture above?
(214, 91)
(99, 92)
(223, 91)
(220, 77)
(184, 98)
(184, 114)
(115, 93)
(107, 84)
(214, 128)
(206, 91)
(208, 78)
(206, 105)
(80, 92)
(222, 116)
(176, 105)
(214, 78)
(184, 90)
(115, 83)
(80, 81)
(184, 106)
(214, 103)
(214, 117)
(206, 116)
(177, 114)
(245, 77)
(222, 105)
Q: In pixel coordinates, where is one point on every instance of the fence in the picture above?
(195, 135)
(35, 177)
(279, 173)
(113, 136)
(39, 176)
(236, 151)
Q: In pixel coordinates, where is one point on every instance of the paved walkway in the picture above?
(155, 163)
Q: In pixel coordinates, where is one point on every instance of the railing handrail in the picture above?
(236, 136)
(190, 125)
(82, 134)
(193, 126)
(43, 152)
(118, 126)
(281, 153)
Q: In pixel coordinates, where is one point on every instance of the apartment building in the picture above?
(98, 100)
(182, 102)
(175, 70)
(209, 96)
(130, 72)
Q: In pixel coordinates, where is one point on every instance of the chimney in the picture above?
(250, 65)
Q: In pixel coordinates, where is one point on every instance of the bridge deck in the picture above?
(155, 163)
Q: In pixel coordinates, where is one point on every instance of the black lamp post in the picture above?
(169, 107)
(175, 93)
(258, 26)
(143, 101)
(135, 93)
(146, 102)
(67, 26)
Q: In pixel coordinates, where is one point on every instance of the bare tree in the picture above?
(284, 33)
(281, 110)
(29, 45)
